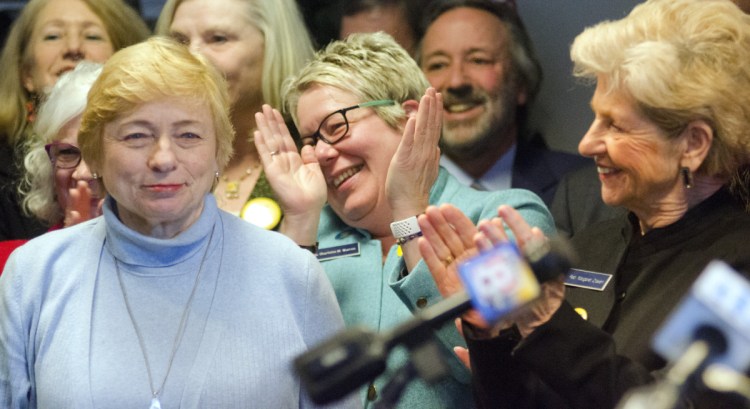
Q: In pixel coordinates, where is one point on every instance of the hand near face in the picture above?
(295, 177)
(79, 206)
(414, 167)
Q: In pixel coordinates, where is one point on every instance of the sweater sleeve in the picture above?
(323, 319)
(15, 381)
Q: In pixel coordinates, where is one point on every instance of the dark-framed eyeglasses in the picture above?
(63, 155)
(335, 125)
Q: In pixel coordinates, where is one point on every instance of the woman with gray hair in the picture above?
(671, 143)
(58, 187)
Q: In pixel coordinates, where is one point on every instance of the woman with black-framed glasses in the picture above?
(370, 135)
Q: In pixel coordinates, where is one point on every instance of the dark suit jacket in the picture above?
(540, 170)
(578, 202)
(572, 363)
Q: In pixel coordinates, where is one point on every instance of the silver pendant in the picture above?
(155, 404)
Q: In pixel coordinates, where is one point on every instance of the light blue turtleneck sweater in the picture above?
(67, 341)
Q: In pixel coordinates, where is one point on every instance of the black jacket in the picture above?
(571, 362)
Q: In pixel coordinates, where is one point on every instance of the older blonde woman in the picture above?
(256, 44)
(671, 144)
(155, 302)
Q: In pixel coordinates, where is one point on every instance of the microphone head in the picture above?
(552, 259)
(715, 310)
(341, 364)
(717, 342)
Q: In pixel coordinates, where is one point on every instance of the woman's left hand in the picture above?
(414, 167)
(528, 239)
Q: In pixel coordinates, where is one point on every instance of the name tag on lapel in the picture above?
(346, 250)
(587, 279)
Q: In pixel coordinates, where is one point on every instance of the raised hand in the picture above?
(295, 176)
(529, 240)
(414, 167)
(448, 237)
(80, 206)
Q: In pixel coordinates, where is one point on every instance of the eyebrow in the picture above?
(60, 22)
(149, 124)
(470, 51)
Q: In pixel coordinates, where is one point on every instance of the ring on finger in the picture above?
(448, 260)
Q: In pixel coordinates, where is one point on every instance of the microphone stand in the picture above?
(426, 362)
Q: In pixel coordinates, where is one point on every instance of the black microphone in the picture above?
(357, 355)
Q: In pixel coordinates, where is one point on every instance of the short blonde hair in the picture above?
(65, 102)
(372, 66)
(124, 27)
(157, 68)
(681, 60)
(287, 44)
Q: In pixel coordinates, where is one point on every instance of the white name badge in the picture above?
(587, 279)
(346, 250)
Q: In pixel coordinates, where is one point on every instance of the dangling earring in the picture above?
(687, 177)
(95, 175)
(217, 175)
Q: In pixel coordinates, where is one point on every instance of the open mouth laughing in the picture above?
(346, 174)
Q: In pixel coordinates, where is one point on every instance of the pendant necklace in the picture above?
(232, 189)
(155, 403)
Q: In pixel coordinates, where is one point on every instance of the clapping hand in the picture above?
(450, 237)
(414, 167)
(295, 177)
(79, 206)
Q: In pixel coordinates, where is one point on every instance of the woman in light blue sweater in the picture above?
(165, 301)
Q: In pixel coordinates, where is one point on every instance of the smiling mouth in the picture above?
(605, 171)
(458, 108)
(346, 175)
(64, 70)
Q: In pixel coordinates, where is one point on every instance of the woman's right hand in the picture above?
(295, 177)
(448, 239)
(79, 206)
(529, 240)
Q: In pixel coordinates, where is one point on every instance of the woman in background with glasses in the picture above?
(371, 151)
(58, 188)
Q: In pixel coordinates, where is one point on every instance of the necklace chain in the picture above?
(232, 188)
(180, 329)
